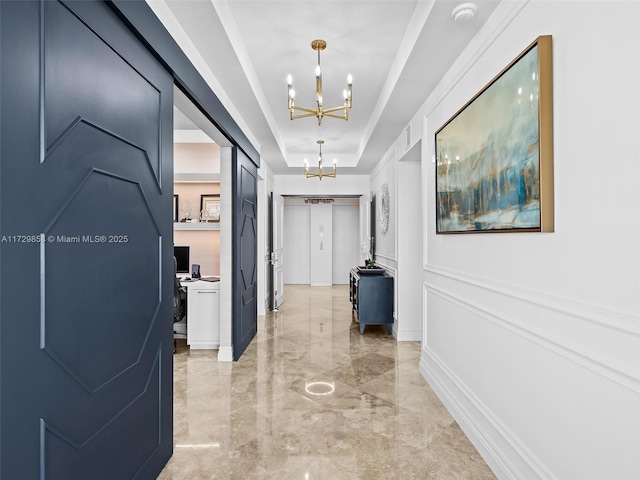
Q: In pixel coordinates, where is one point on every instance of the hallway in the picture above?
(310, 399)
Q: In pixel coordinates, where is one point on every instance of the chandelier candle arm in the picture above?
(319, 112)
(319, 76)
(291, 92)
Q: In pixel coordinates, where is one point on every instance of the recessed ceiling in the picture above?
(396, 50)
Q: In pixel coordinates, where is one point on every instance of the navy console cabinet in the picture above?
(371, 299)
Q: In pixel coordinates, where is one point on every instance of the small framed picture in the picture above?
(175, 208)
(210, 208)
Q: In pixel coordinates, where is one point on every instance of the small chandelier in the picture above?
(320, 111)
(320, 174)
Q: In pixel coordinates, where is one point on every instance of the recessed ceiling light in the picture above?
(464, 13)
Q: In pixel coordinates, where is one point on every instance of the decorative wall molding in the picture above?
(391, 270)
(507, 456)
(385, 173)
(557, 309)
(391, 257)
(385, 256)
(624, 321)
(533, 356)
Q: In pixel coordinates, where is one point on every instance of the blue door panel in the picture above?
(245, 313)
(86, 173)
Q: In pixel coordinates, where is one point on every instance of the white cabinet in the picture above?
(203, 314)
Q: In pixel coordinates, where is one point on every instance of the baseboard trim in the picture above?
(407, 335)
(204, 346)
(225, 354)
(503, 452)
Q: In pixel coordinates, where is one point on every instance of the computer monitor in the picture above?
(182, 258)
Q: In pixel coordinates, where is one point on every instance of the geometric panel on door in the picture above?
(92, 454)
(107, 151)
(247, 252)
(84, 76)
(94, 338)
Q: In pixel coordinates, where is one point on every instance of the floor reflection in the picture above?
(311, 398)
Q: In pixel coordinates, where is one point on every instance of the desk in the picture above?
(203, 314)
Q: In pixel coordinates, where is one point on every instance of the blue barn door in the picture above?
(245, 252)
(86, 173)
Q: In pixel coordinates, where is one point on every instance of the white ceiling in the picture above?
(396, 50)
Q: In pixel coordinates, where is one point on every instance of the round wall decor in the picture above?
(384, 208)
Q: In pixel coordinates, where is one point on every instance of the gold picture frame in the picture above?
(494, 157)
(210, 208)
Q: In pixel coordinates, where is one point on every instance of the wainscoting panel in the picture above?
(585, 334)
(499, 357)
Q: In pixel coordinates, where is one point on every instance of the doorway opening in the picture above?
(202, 196)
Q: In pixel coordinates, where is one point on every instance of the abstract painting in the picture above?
(494, 157)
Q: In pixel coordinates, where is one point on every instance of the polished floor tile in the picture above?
(311, 399)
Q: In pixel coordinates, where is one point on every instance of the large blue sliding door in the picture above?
(245, 252)
(86, 232)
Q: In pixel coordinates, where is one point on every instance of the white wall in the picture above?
(225, 352)
(353, 185)
(385, 254)
(408, 325)
(193, 158)
(346, 240)
(533, 340)
(265, 187)
(204, 249)
(385, 242)
(399, 249)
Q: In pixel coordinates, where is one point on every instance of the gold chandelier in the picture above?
(320, 174)
(319, 111)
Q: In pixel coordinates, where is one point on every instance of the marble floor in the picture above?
(310, 399)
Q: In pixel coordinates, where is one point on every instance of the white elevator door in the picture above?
(321, 241)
